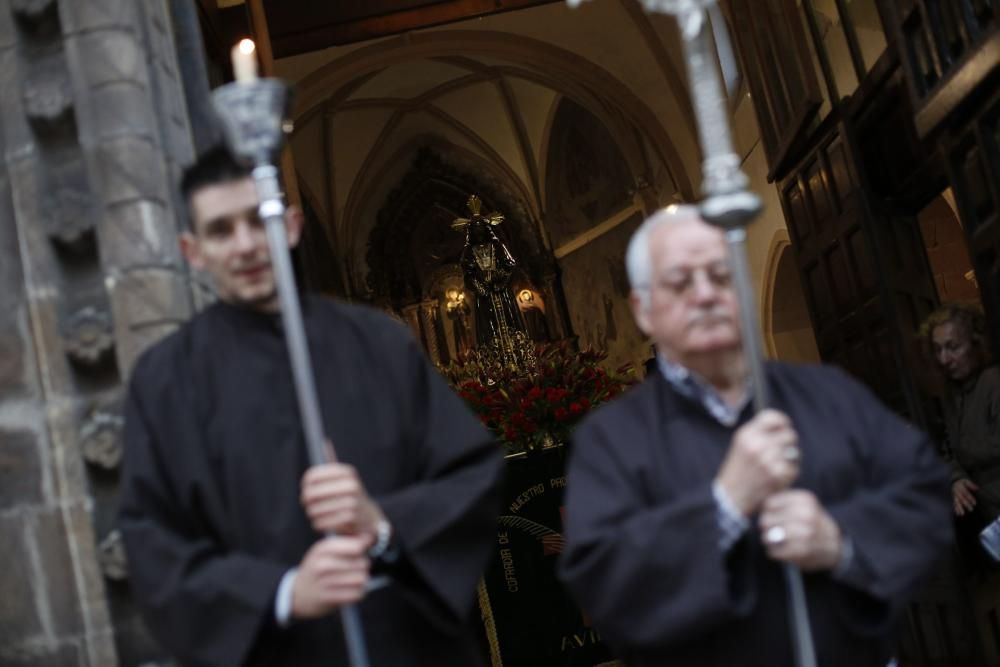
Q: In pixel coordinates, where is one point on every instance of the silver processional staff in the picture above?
(252, 113)
(730, 205)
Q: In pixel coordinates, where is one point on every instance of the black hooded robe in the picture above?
(210, 509)
(642, 532)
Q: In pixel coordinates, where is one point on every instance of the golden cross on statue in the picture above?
(475, 205)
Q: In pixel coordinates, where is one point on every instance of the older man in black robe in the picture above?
(224, 519)
(682, 505)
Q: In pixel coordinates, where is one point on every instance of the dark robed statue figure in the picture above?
(487, 266)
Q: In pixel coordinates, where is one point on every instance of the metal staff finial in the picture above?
(252, 112)
(730, 205)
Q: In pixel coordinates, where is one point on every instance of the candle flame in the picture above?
(247, 46)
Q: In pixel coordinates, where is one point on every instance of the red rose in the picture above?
(535, 393)
(561, 414)
(575, 409)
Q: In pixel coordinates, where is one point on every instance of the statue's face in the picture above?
(479, 231)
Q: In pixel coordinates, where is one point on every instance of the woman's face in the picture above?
(954, 351)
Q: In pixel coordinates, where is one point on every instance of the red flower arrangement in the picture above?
(528, 412)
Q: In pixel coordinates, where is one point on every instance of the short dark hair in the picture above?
(214, 166)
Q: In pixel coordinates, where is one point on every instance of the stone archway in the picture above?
(788, 332)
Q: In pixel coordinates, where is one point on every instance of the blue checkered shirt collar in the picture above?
(690, 385)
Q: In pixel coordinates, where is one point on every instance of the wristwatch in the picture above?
(383, 536)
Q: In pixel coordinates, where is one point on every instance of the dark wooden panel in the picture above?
(795, 207)
(864, 269)
(865, 274)
(774, 53)
(973, 158)
(950, 50)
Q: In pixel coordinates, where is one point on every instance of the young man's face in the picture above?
(228, 241)
(954, 351)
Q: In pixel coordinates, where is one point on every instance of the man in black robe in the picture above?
(682, 506)
(222, 516)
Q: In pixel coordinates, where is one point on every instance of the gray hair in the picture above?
(638, 259)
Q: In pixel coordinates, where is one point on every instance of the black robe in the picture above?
(642, 553)
(210, 510)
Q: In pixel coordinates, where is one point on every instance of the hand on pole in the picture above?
(333, 574)
(336, 501)
(963, 493)
(762, 460)
(797, 529)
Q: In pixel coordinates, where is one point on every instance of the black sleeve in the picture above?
(445, 518)
(649, 575)
(204, 605)
(899, 521)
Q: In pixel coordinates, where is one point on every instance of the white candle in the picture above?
(244, 61)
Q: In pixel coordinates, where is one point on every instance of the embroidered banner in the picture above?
(529, 618)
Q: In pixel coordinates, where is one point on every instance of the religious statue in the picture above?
(487, 266)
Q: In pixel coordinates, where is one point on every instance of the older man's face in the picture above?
(691, 308)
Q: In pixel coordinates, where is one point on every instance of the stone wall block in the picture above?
(79, 528)
(66, 654)
(132, 169)
(8, 33)
(139, 232)
(13, 355)
(52, 548)
(123, 109)
(20, 466)
(87, 15)
(157, 301)
(18, 138)
(106, 57)
(19, 613)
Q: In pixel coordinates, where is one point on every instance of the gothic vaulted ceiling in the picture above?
(486, 91)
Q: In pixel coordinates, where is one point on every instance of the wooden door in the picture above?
(864, 272)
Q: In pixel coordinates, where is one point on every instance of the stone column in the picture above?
(429, 319)
(54, 331)
(411, 315)
(556, 310)
(93, 130)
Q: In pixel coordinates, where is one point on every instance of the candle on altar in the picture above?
(244, 61)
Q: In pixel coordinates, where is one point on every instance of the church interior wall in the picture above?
(644, 58)
(378, 119)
